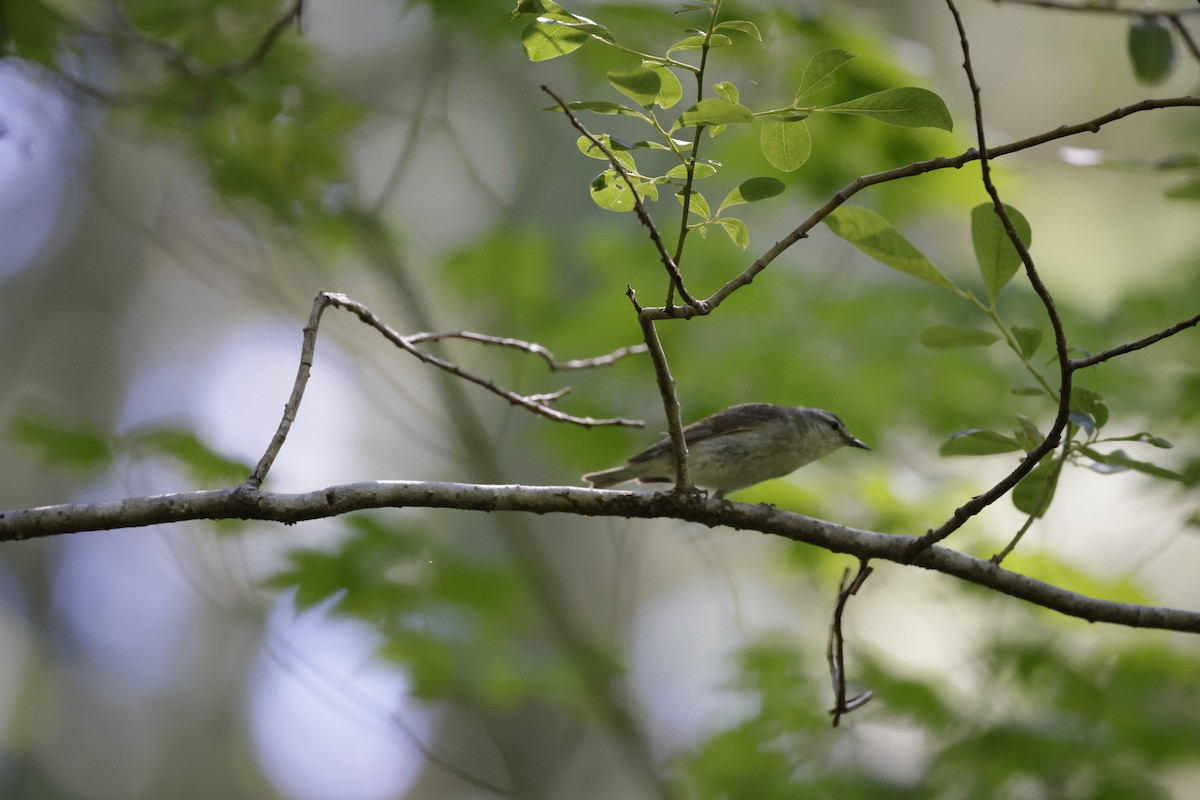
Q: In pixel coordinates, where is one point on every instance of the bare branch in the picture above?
(247, 504)
(1129, 347)
(638, 207)
(538, 404)
(1091, 8)
(835, 652)
(532, 347)
(666, 388)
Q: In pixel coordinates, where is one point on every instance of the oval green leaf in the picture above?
(546, 37)
(1028, 340)
(1035, 491)
(610, 191)
(786, 145)
(998, 258)
(1151, 50)
(907, 107)
(977, 442)
(670, 91)
(728, 91)
(947, 337)
(742, 26)
(750, 191)
(818, 74)
(640, 84)
(714, 111)
(876, 237)
(737, 231)
(697, 42)
(698, 171)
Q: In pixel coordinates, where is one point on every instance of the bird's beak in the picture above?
(853, 442)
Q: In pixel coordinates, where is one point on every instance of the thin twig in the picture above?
(1042, 504)
(907, 171)
(638, 207)
(1188, 40)
(1054, 435)
(690, 165)
(1081, 363)
(532, 347)
(666, 388)
(187, 63)
(835, 651)
(1057, 5)
(535, 403)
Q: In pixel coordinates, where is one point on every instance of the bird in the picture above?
(739, 447)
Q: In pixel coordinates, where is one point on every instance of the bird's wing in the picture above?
(732, 420)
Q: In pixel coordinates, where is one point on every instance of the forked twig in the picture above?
(666, 389)
(835, 652)
(638, 207)
(537, 403)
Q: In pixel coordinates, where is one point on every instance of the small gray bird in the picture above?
(739, 447)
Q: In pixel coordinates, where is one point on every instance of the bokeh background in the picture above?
(163, 233)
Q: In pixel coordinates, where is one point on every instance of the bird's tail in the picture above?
(610, 477)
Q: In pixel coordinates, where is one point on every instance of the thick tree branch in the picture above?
(246, 504)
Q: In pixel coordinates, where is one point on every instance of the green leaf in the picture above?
(740, 25)
(360, 570)
(534, 7)
(547, 37)
(947, 337)
(1027, 433)
(1188, 190)
(205, 465)
(600, 107)
(1029, 391)
(589, 149)
(978, 442)
(818, 74)
(1145, 437)
(698, 205)
(750, 191)
(670, 91)
(1119, 461)
(640, 84)
(714, 111)
(697, 42)
(907, 107)
(727, 90)
(998, 258)
(1028, 340)
(73, 445)
(610, 191)
(1151, 49)
(698, 171)
(1036, 490)
(1091, 403)
(876, 237)
(786, 145)
(737, 231)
